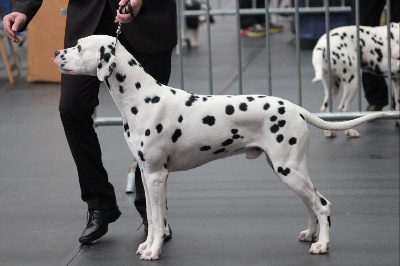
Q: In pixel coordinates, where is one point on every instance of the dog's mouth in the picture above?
(62, 69)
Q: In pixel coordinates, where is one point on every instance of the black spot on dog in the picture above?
(329, 221)
(107, 57)
(120, 77)
(323, 201)
(250, 99)
(191, 100)
(180, 119)
(243, 107)
(156, 99)
(79, 48)
(134, 110)
(205, 99)
(205, 148)
(121, 89)
(280, 102)
(281, 123)
(274, 128)
(219, 151)
(234, 131)
(141, 143)
(279, 138)
(292, 141)
(138, 85)
(227, 142)
(209, 120)
(132, 62)
(126, 127)
(147, 132)
(173, 92)
(281, 110)
(351, 78)
(380, 55)
(229, 110)
(140, 153)
(236, 136)
(273, 118)
(177, 134)
(159, 128)
(284, 172)
(267, 106)
(147, 99)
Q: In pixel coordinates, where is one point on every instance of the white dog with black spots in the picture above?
(169, 129)
(374, 59)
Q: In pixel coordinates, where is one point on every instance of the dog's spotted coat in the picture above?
(169, 129)
(374, 59)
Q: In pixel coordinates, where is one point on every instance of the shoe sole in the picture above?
(93, 237)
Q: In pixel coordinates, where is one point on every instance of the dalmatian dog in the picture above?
(374, 59)
(169, 130)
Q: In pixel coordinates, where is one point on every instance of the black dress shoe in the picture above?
(97, 224)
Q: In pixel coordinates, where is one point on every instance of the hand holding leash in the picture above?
(128, 9)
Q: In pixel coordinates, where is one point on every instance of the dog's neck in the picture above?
(128, 77)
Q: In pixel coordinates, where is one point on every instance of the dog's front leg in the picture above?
(156, 200)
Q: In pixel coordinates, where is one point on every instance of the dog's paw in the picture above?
(142, 247)
(319, 248)
(150, 254)
(330, 134)
(352, 133)
(307, 236)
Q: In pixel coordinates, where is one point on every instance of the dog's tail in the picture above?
(322, 124)
(318, 58)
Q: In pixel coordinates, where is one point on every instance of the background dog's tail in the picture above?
(318, 58)
(322, 124)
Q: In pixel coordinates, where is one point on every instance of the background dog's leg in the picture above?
(396, 94)
(325, 105)
(156, 190)
(349, 91)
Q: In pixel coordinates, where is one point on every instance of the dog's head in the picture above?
(93, 55)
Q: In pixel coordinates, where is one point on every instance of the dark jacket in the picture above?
(152, 31)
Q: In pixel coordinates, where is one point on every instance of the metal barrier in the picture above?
(296, 11)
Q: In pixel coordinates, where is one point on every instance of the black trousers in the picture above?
(375, 87)
(79, 98)
(249, 20)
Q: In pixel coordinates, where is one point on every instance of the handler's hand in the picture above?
(126, 17)
(12, 23)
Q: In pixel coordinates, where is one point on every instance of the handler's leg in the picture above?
(79, 97)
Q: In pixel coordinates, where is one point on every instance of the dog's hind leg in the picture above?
(294, 173)
(155, 188)
(318, 208)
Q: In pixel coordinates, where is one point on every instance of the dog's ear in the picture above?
(107, 62)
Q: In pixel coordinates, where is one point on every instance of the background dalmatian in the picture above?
(170, 129)
(374, 59)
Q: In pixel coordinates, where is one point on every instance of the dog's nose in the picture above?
(56, 52)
